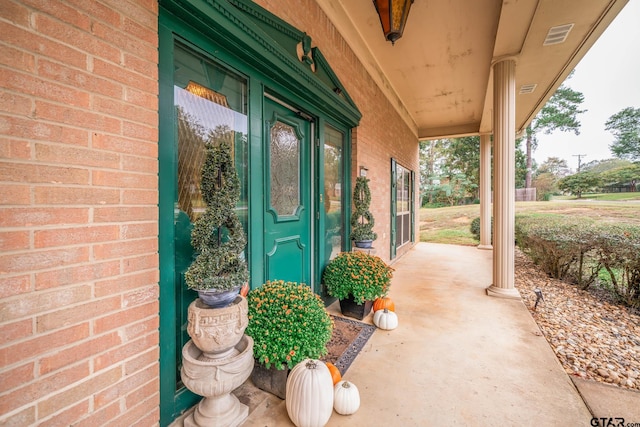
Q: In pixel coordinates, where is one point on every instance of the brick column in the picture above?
(504, 141)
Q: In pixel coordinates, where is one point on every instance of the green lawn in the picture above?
(603, 196)
(451, 224)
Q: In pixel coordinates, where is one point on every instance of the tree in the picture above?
(449, 170)
(450, 189)
(559, 113)
(462, 157)
(579, 183)
(555, 166)
(625, 126)
(521, 166)
(601, 166)
(546, 185)
(625, 175)
(430, 163)
(547, 176)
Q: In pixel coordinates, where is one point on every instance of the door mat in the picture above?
(348, 338)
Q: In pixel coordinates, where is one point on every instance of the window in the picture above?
(333, 206)
(402, 206)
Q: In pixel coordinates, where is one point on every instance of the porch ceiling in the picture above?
(438, 75)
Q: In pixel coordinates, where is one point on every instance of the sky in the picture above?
(609, 78)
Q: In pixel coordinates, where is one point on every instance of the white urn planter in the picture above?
(216, 361)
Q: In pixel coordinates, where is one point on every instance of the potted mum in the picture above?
(362, 220)
(357, 279)
(219, 270)
(288, 324)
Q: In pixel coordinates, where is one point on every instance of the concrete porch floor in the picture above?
(458, 356)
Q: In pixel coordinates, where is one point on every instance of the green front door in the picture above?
(287, 193)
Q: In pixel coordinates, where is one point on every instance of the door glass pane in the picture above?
(210, 105)
(333, 174)
(285, 164)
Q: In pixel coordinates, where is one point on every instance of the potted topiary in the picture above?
(219, 270)
(362, 220)
(357, 279)
(288, 323)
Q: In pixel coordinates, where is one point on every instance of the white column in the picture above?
(485, 192)
(504, 143)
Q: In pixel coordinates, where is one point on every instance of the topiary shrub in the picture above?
(362, 220)
(217, 236)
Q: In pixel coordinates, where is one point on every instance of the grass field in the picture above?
(451, 224)
(603, 196)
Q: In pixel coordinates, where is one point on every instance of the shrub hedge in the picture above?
(474, 228)
(577, 249)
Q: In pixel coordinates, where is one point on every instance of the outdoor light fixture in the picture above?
(539, 297)
(393, 17)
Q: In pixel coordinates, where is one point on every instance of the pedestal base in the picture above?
(208, 414)
(510, 293)
(485, 247)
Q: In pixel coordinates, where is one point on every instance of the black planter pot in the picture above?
(271, 380)
(350, 309)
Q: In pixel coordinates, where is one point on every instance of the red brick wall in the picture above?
(382, 133)
(78, 216)
(78, 196)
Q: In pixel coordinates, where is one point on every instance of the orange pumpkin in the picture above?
(244, 290)
(382, 303)
(336, 376)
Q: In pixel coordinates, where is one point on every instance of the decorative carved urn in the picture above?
(216, 361)
(216, 331)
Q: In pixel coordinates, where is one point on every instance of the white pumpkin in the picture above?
(309, 394)
(346, 398)
(385, 319)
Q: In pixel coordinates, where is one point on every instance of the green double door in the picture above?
(208, 100)
(292, 168)
(287, 190)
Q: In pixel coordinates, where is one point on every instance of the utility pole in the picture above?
(579, 156)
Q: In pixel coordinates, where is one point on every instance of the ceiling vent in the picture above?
(557, 34)
(528, 88)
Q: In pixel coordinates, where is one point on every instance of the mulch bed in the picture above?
(592, 337)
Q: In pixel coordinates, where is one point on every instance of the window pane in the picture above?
(285, 163)
(204, 114)
(403, 205)
(406, 228)
(333, 206)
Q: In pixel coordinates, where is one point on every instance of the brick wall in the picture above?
(382, 133)
(78, 216)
